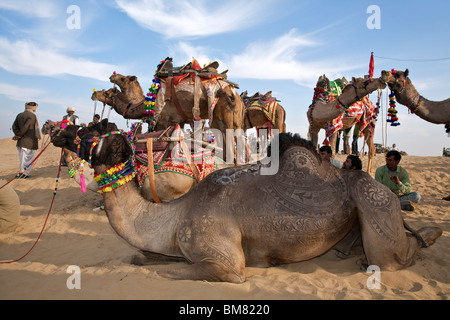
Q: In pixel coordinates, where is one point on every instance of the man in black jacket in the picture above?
(26, 133)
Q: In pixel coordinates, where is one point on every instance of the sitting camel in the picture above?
(163, 186)
(297, 214)
(78, 169)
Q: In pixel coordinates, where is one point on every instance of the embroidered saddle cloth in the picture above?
(174, 160)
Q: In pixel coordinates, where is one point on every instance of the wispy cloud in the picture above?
(32, 8)
(17, 93)
(275, 59)
(24, 57)
(195, 18)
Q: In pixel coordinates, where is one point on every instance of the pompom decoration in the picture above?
(82, 181)
(150, 100)
(392, 111)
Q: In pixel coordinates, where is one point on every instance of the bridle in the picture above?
(97, 140)
(364, 87)
(413, 103)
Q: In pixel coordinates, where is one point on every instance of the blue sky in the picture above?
(281, 45)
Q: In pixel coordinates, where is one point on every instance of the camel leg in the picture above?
(369, 134)
(213, 248)
(313, 134)
(332, 140)
(206, 270)
(385, 241)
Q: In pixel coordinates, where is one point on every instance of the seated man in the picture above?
(9, 208)
(325, 153)
(352, 163)
(396, 178)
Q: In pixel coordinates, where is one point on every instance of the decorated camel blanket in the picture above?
(186, 83)
(268, 107)
(363, 110)
(175, 161)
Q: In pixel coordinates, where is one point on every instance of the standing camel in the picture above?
(321, 112)
(437, 112)
(263, 111)
(217, 101)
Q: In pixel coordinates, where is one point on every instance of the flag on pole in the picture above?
(371, 66)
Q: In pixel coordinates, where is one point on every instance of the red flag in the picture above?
(371, 66)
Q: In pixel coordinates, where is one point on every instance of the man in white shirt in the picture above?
(326, 153)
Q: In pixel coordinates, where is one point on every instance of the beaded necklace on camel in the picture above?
(115, 177)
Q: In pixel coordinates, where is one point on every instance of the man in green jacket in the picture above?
(26, 133)
(396, 178)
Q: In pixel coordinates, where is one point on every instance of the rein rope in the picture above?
(48, 214)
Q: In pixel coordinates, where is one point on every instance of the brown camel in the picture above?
(255, 115)
(169, 185)
(437, 112)
(320, 112)
(73, 161)
(178, 106)
(368, 132)
(297, 214)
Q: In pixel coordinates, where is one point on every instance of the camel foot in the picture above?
(194, 272)
(148, 258)
(430, 234)
(363, 264)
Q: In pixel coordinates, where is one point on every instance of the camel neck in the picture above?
(144, 224)
(432, 111)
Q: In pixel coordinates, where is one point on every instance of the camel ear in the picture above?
(406, 73)
(132, 78)
(104, 126)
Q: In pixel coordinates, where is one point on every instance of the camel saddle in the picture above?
(141, 146)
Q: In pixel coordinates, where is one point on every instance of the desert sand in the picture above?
(76, 235)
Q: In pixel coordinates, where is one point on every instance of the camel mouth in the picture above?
(387, 77)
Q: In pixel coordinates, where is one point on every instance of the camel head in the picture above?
(129, 85)
(50, 126)
(99, 96)
(108, 96)
(228, 93)
(364, 86)
(69, 137)
(111, 148)
(395, 79)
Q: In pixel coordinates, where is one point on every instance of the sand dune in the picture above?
(77, 235)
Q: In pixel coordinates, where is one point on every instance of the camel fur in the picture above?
(297, 214)
(437, 112)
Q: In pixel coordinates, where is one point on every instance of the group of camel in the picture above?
(217, 226)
